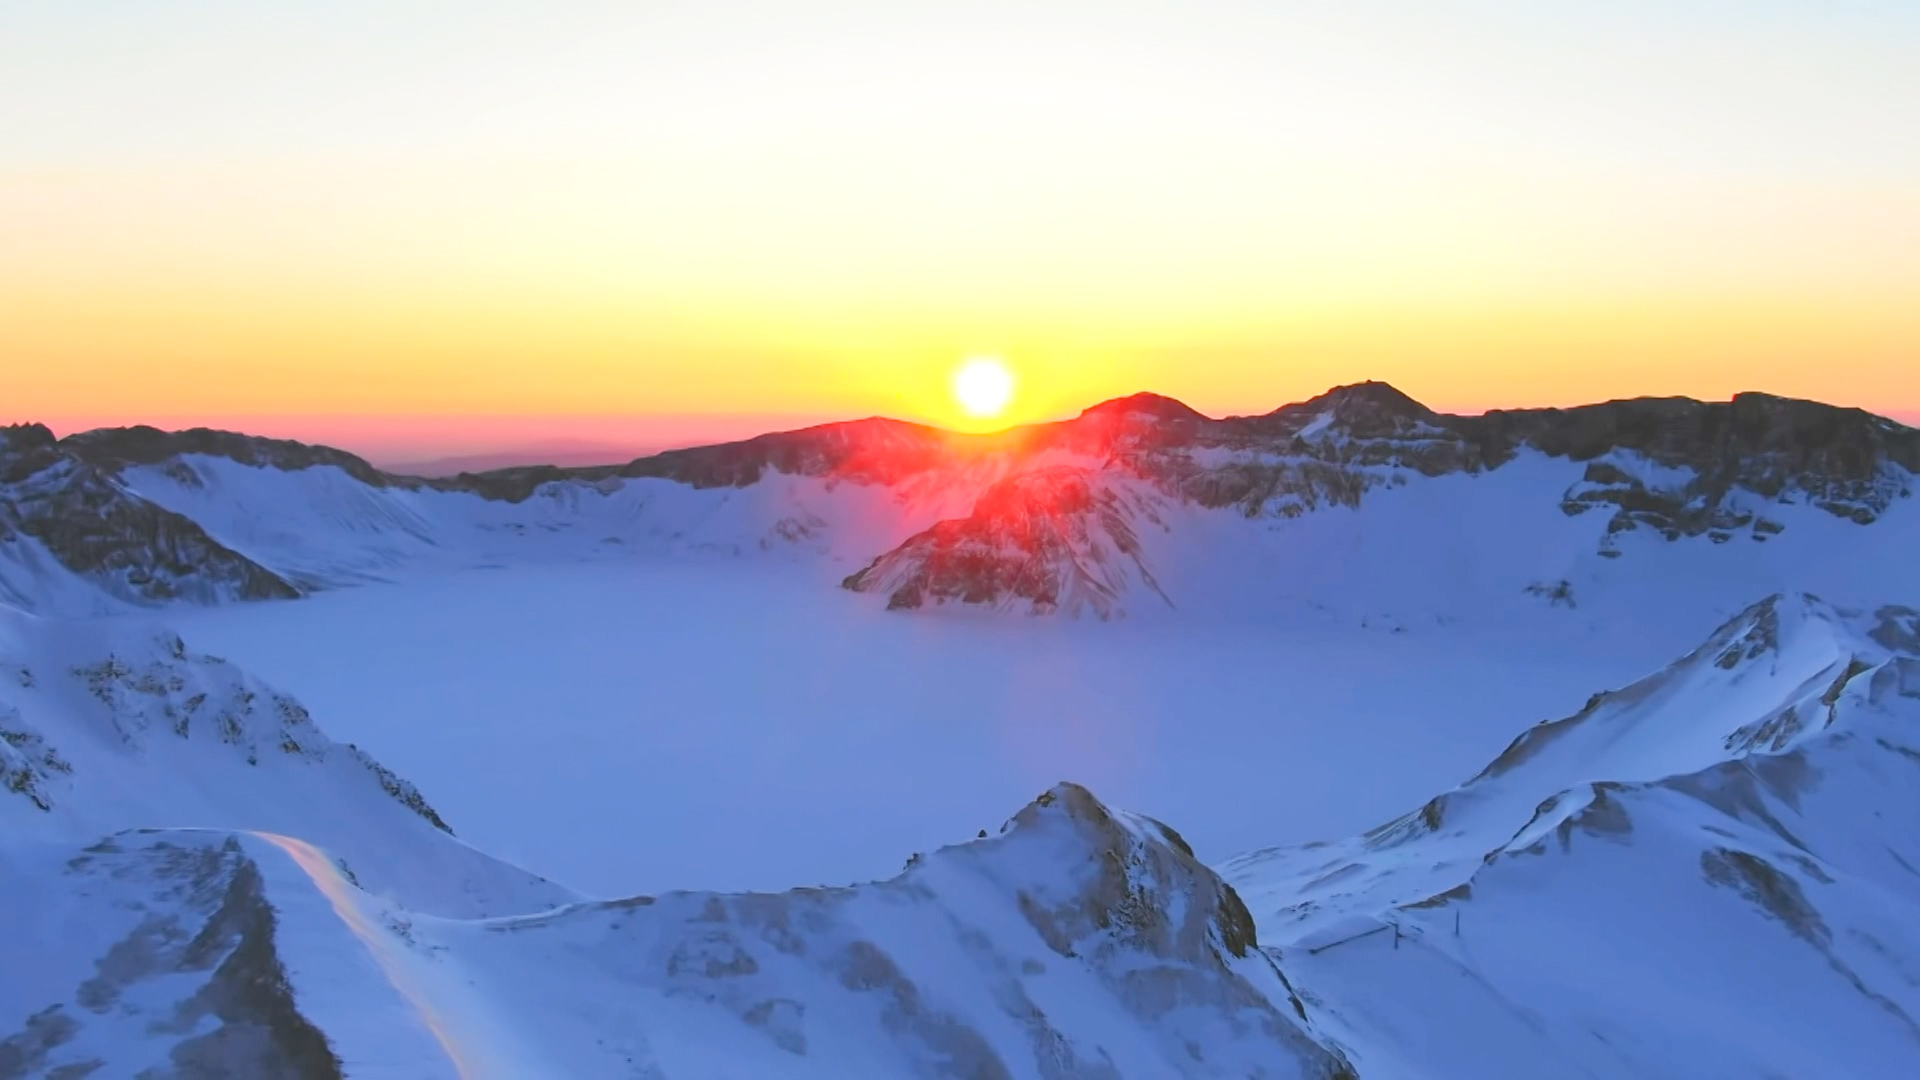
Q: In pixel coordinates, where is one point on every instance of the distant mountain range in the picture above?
(1713, 871)
(1137, 504)
(567, 453)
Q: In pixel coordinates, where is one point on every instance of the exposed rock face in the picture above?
(194, 977)
(112, 449)
(123, 544)
(1721, 463)
(29, 766)
(1678, 467)
(1080, 942)
(1056, 539)
(149, 690)
(1054, 508)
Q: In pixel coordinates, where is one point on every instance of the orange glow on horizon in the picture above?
(676, 213)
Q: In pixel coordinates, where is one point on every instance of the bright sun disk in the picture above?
(983, 386)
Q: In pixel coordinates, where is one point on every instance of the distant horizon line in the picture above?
(399, 441)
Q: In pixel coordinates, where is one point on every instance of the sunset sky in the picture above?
(415, 228)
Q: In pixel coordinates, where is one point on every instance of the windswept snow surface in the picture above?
(642, 727)
(268, 902)
(1079, 942)
(1710, 872)
(1415, 550)
(1273, 630)
(109, 725)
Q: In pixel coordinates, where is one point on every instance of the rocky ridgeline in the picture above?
(144, 689)
(112, 538)
(1678, 467)
(1057, 505)
(1054, 539)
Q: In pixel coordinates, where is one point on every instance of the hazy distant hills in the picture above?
(563, 452)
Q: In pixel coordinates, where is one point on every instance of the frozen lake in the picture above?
(636, 728)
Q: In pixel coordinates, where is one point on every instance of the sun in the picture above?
(983, 386)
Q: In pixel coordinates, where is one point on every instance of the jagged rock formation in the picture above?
(1079, 943)
(304, 912)
(189, 980)
(106, 726)
(56, 507)
(1676, 467)
(1056, 539)
(935, 517)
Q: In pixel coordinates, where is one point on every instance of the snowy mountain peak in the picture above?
(137, 515)
(190, 978)
(1082, 942)
(18, 439)
(1366, 408)
(1788, 672)
(1734, 829)
(72, 536)
(106, 726)
(1145, 405)
(1145, 889)
(1062, 538)
(114, 449)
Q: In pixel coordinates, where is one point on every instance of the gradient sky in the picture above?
(399, 215)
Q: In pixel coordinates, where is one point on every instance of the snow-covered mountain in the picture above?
(320, 922)
(1137, 505)
(1711, 872)
(1059, 538)
(73, 538)
(112, 724)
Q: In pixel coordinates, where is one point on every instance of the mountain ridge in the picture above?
(143, 444)
(194, 513)
(200, 882)
(1751, 800)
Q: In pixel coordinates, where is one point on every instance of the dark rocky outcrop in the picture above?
(1051, 538)
(200, 966)
(107, 535)
(1675, 468)
(112, 449)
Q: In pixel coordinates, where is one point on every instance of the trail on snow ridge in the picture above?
(339, 893)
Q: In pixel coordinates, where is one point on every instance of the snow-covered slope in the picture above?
(1053, 539)
(73, 538)
(108, 725)
(199, 882)
(1711, 872)
(1360, 501)
(324, 519)
(1080, 942)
